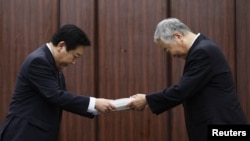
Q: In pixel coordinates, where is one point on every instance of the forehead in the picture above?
(78, 50)
(162, 43)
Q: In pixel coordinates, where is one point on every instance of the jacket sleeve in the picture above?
(197, 73)
(43, 77)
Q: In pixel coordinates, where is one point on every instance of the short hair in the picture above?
(72, 35)
(166, 28)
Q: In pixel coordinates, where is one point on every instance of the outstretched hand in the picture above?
(104, 105)
(139, 102)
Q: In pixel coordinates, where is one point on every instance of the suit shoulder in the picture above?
(35, 58)
(36, 55)
(207, 47)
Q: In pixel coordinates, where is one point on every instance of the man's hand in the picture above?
(139, 102)
(104, 105)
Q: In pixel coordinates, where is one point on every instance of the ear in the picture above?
(177, 35)
(60, 46)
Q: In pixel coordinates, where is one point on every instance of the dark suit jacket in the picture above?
(206, 91)
(40, 96)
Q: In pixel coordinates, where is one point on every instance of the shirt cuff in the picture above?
(91, 108)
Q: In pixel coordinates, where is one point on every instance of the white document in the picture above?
(121, 103)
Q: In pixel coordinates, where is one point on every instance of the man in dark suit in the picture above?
(40, 93)
(206, 90)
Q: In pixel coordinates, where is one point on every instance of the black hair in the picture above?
(72, 35)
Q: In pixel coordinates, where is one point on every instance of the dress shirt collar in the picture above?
(195, 39)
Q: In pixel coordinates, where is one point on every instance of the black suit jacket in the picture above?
(206, 91)
(40, 96)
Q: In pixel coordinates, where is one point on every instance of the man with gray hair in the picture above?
(206, 90)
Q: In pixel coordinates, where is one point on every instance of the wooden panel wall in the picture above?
(24, 26)
(242, 53)
(123, 59)
(129, 63)
(80, 78)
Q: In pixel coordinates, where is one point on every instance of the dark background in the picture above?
(123, 59)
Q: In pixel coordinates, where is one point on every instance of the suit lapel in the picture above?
(58, 73)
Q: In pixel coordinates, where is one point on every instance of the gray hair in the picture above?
(166, 28)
